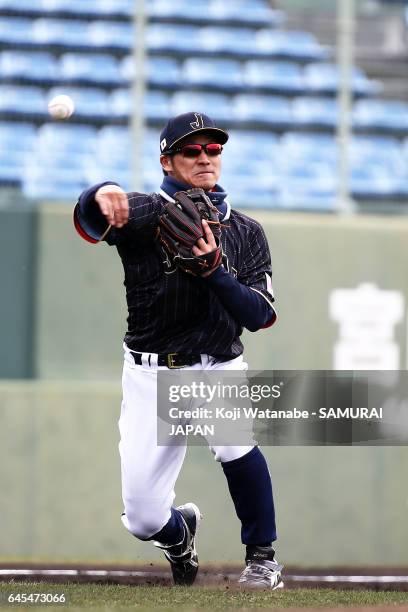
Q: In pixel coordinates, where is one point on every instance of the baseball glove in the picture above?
(180, 226)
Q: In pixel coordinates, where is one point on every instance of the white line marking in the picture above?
(140, 574)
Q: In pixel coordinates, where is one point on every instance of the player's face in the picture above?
(202, 171)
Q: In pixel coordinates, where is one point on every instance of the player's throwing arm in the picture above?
(113, 204)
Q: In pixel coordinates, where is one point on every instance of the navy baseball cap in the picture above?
(181, 126)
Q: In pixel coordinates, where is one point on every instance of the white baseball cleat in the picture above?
(262, 570)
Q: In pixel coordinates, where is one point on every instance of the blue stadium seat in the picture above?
(58, 186)
(251, 145)
(370, 181)
(326, 77)
(271, 110)
(29, 65)
(250, 195)
(223, 74)
(115, 138)
(284, 76)
(244, 11)
(114, 34)
(22, 5)
(232, 40)
(182, 9)
(17, 136)
(170, 37)
(304, 185)
(308, 147)
(216, 105)
(91, 7)
(12, 164)
(89, 102)
(383, 114)
(315, 111)
(159, 70)
(16, 30)
(156, 104)
(25, 100)
(297, 45)
(101, 68)
(68, 137)
(60, 32)
(97, 174)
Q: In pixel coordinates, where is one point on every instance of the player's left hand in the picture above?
(206, 245)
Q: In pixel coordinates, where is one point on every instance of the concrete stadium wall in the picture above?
(60, 489)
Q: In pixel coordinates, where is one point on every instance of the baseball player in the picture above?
(186, 309)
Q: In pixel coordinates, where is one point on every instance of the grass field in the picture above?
(197, 598)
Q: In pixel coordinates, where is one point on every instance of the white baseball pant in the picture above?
(149, 471)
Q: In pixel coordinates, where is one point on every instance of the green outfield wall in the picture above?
(80, 303)
(60, 489)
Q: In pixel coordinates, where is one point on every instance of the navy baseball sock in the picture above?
(250, 486)
(173, 531)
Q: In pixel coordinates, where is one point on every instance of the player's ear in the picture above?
(166, 162)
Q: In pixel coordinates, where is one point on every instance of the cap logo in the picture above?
(198, 123)
(163, 144)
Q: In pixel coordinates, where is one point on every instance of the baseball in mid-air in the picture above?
(61, 107)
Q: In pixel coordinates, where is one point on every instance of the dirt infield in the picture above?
(377, 579)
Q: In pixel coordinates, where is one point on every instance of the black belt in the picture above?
(171, 360)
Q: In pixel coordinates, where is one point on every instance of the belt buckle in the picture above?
(170, 361)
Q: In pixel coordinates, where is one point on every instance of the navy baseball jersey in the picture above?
(171, 311)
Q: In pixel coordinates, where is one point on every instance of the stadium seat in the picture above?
(115, 138)
(182, 9)
(282, 76)
(270, 110)
(68, 137)
(91, 7)
(84, 67)
(368, 181)
(22, 5)
(113, 34)
(325, 77)
(216, 73)
(89, 102)
(163, 71)
(17, 136)
(382, 114)
(16, 30)
(31, 66)
(315, 111)
(245, 12)
(156, 104)
(58, 187)
(238, 41)
(60, 32)
(294, 44)
(25, 100)
(216, 105)
(256, 146)
(12, 164)
(170, 37)
(308, 147)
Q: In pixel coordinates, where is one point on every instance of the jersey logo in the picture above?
(198, 123)
(170, 266)
(227, 266)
